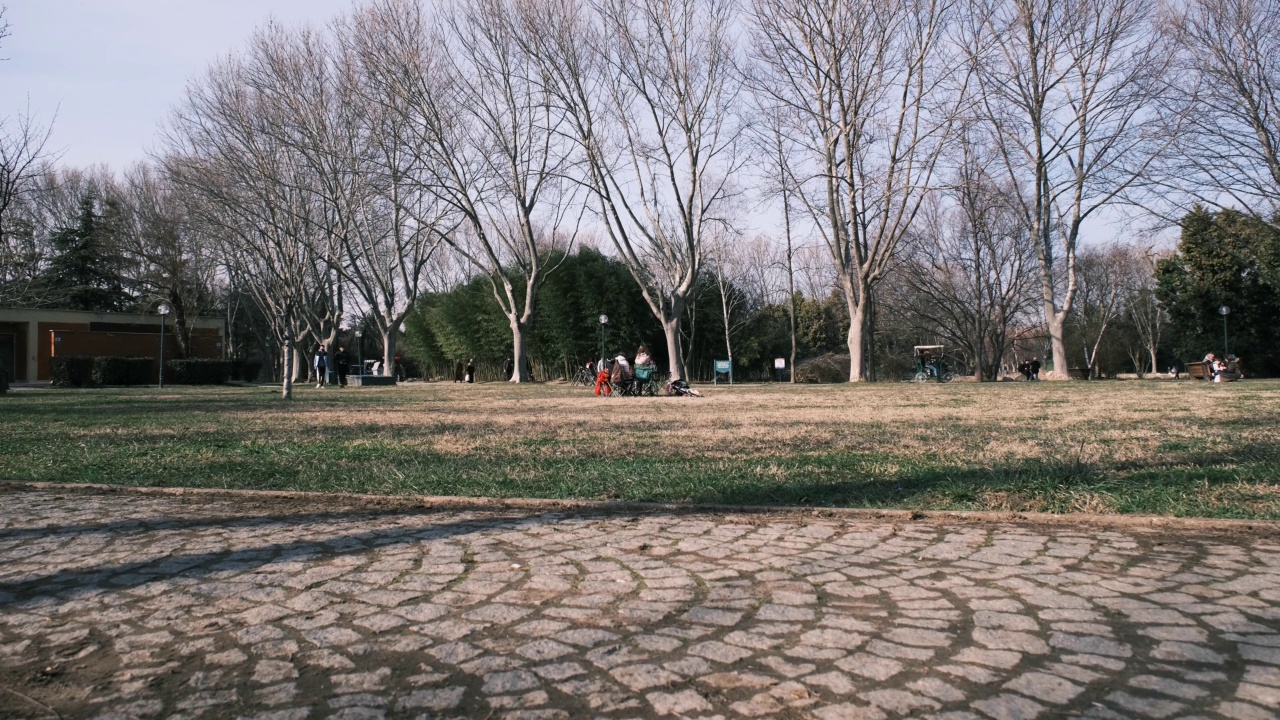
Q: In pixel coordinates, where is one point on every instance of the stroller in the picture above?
(682, 389)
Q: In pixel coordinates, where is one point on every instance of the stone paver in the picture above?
(128, 605)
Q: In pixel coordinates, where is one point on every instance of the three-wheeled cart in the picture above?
(931, 364)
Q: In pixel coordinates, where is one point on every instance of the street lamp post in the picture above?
(164, 311)
(360, 352)
(604, 320)
(1224, 311)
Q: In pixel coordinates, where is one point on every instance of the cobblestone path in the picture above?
(118, 604)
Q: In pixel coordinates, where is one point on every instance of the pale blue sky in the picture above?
(113, 68)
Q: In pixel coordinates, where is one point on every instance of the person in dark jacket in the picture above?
(321, 364)
(471, 371)
(1035, 370)
(342, 363)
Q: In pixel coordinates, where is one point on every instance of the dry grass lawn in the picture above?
(1111, 447)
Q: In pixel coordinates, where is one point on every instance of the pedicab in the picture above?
(931, 364)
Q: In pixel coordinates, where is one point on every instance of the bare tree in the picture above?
(1146, 314)
(165, 256)
(741, 286)
(1065, 88)
(1103, 284)
(255, 195)
(869, 90)
(967, 274)
(1225, 100)
(487, 143)
(329, 109)
(650, 91)
(774, 151)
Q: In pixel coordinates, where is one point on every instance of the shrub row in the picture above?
(197, 371)
(77, 371)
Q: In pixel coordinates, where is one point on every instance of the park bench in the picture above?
(1200, 371)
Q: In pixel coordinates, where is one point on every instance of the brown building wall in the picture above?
(44, 331)
(66, 340)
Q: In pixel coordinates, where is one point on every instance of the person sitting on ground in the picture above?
(642, 356)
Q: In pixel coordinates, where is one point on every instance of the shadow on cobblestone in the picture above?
(507, 613)
(125, 576)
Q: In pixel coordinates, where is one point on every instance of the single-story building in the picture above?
(30, 338)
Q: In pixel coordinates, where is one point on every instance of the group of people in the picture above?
(616, 370)
(1218, 367)
(320, 365)
(1030, 369)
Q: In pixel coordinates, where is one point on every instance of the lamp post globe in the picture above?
(360, 350)
(164, 312)
(1224, 311)
(604, 320)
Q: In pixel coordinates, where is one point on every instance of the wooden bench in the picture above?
(1201, 371)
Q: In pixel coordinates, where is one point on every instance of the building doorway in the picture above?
(8, 356)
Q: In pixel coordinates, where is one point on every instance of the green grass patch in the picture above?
(1125, 447)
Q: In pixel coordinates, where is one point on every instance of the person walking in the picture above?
(321, 364)
(342, 363)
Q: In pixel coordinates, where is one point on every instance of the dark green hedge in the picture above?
(123, 371)
(197, 372)
(71, 371)
(79, 371)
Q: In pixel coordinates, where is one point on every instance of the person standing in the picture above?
(508, 367)
(471, 370)
(341, 363)
(1035, 370)
(321, 364)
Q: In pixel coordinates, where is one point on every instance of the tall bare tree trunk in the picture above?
(675, 351)
(1055, 322)
(390, 339)
(856, 302)
(519, 334)
(288, 360)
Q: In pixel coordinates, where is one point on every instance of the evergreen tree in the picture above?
(1224, 258)
(85, 272)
